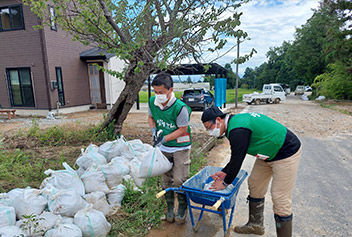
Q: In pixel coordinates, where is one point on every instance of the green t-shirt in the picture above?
(267, 137)
(166, 120)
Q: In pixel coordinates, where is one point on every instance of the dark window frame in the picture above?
(53, 25)
(10, 86)
(62, 103)
(22, 18)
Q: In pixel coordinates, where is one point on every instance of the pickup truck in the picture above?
(272, 93)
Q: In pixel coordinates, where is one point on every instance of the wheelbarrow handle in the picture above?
(162, 193)
(218, 203)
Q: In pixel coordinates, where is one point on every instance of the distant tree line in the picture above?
(320, 55)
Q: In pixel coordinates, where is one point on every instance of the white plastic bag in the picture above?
(122, 163)
(112, 149)
(92, 222)
(135, 166)
(66, 202)
(11, 231)
(88, 159)
(64, 179)
(64, 230)
(116, 195)
(47, 220)
(30, 202)
(154, 164)
(94, 180)
(7, 216)
(99, 202)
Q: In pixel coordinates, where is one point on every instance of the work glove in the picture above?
(154, 133)
(160, 139)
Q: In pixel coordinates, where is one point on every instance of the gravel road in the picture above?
(323, 187)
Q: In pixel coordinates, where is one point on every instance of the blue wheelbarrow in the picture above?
(193, 189)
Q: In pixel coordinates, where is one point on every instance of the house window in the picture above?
(52, 18)
(11, 18)
(20, 86)
(60, 86)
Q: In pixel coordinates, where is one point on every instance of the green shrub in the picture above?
(335, 83)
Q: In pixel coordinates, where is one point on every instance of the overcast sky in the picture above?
(268, 23)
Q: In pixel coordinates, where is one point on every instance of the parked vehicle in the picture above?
(198, 98)
(272, 93)
(307, 88)
(286, 88)
(299, 90)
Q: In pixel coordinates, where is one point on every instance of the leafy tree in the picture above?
(149, 35)
(335, 83)
(189, 80)
(211, 80)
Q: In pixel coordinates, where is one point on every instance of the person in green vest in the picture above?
(171, 116)
(277, 151)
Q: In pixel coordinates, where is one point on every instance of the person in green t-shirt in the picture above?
(277, 151)
(171, 116)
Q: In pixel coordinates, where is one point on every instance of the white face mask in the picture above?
(215, 132)
(161, 98)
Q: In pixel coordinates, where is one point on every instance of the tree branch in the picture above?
(111, 21)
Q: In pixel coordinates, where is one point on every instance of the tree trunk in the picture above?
(127, 98)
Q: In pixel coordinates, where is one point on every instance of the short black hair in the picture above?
(163, 78)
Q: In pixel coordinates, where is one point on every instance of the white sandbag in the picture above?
(99, 202)
(30, 202)
(94, 180)
(135, 166)
(112, 149)
(138, 145)
(7, 216)
(64, 230)
(88, 159)
(64, 179)
(66, 220)
(66, 202)
(92, 222)
(116, 195)
(6, 199)
(90, 148)
(122, 163)
(154, 164)
(112, 173)
(11, 231)
(47, 220)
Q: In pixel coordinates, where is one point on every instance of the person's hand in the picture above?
(159, 141)
(218, 176)
(217, 185)
(154, 133)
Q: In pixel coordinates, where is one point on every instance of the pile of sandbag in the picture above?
(73, 202)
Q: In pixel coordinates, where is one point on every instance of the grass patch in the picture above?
(334, 106)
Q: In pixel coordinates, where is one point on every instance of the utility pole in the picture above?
(238, 56)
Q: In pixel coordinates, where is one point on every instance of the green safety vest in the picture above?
(166, 121)
(267, 137)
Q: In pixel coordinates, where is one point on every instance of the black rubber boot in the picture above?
(255, 224)
(170, 200)
(182, 209)
(283, 225)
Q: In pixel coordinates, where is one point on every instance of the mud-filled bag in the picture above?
(154, 164)
(111, 149)
(10, 231)
(92, 222)
(7, 216)
(99, 202)
(64, 230)
(89, 158)
(30, 202)
(66, 202)
(64, 179)
(94, 180)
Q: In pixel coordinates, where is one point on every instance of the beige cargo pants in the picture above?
(180, 170)
(283, 174)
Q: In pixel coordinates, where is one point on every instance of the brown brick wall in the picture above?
(23, 48)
